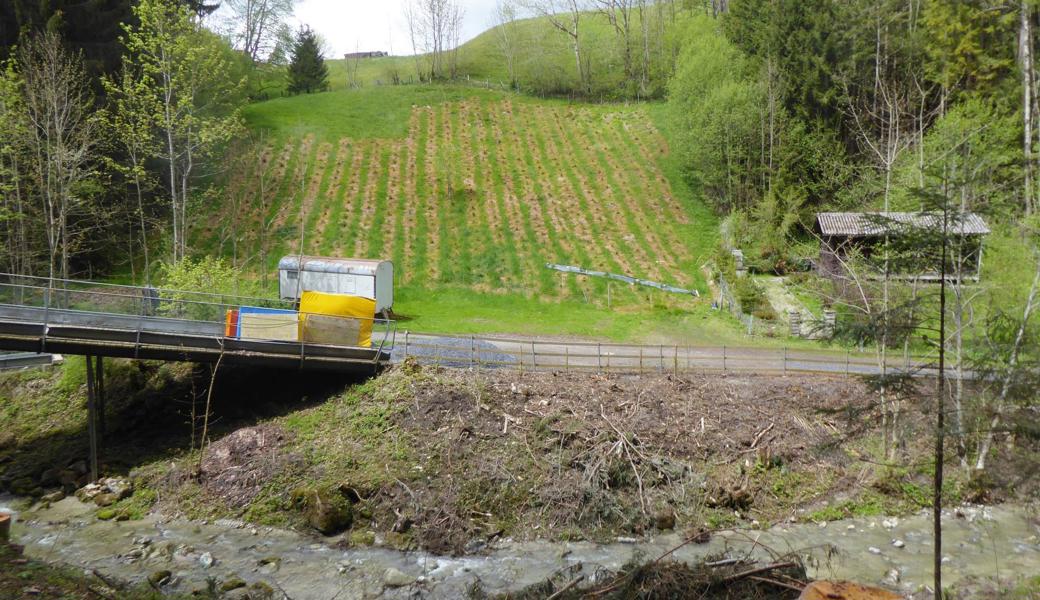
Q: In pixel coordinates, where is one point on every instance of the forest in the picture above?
(806, 106)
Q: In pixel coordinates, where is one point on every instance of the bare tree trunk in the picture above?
(144, 228)
(1009, 372)
(1025, 52)
(644, 18)
(940, 415)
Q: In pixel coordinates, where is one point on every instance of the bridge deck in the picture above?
(33, 329)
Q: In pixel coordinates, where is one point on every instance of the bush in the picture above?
(184, 284)
(752, 299)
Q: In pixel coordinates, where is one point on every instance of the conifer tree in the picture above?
(307, 70)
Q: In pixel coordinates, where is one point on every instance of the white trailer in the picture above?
(356, 276)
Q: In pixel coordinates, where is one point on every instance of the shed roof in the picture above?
(864, 224)
(328, 264)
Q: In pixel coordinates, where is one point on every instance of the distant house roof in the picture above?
(862, 224)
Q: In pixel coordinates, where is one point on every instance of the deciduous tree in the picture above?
(62, 135)
(191, 75)
(255, 24)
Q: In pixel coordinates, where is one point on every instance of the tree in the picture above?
(191, 76)
(131, 121)
(435, 27)
(565, 17)
(1025, 55)
(504, 23)
(91, 28)
(619, 14)
(13, 136)
(719, 108)
(62, 136)
(307, 70)
(256, 24)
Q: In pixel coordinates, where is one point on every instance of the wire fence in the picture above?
(500, 353)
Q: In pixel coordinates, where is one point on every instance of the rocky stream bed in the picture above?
(999, 541)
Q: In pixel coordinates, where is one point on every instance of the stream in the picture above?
(1001, 541)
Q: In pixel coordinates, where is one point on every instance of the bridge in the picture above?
(97, 320)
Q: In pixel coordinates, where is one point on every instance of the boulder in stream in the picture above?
(395, 578)
(325, 509)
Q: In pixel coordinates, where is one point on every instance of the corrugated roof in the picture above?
(873, 224)
(329, 264)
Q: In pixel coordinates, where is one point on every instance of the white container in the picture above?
(355, 276)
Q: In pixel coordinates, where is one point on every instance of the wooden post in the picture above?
(566, 358)
(846, 364)
(675, 364)
(472, 351)
(599, 356)
(520, 357)
(723, 359)
(640, 360)
(785, 361)
(92, 419)
(5, 527)
(406, 343)
(660, 356)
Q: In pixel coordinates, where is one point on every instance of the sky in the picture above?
(371, 25)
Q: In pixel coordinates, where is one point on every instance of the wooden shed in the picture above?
(843, 234)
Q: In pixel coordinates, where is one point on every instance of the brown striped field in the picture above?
(476, 192)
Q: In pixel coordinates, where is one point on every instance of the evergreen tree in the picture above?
(307, 70)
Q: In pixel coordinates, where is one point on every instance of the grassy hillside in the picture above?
(474, 191)
(543, 59)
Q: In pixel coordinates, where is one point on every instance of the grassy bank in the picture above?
(437, 459)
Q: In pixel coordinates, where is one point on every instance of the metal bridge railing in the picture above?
(138, 309)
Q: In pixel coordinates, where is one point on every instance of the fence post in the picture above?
(675, 363)
(785, 361)
(723, 359)
(534, 356)
(846, 363)
(472, 351)
(640, 360)
(660, 354)
(406, 343)
(520, 357)
(566, 358)
(599, 356)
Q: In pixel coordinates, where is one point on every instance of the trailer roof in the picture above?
(328, 264)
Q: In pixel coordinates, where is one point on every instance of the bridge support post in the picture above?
(92, 426)
(100, 399)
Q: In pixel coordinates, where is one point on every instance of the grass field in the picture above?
(543, 59)
(474, 191)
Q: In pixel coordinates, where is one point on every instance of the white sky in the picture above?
(370, 25)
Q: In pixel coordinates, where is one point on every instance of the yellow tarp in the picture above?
(326, 331)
